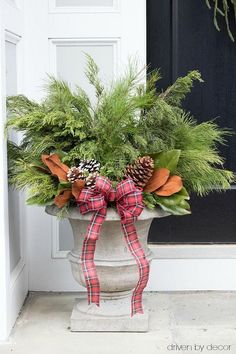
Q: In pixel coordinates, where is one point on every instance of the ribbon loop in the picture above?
(129, 206)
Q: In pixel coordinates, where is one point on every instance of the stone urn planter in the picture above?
(117, 272)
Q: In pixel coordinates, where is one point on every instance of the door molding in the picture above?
(164, 251)
(83, 41)
(83, 9)
(191, 251)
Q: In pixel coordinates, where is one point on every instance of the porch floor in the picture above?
(182, 318)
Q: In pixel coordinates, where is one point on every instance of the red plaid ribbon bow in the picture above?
(129, 206)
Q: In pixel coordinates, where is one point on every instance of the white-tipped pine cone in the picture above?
(89, 166)
(87, 170)
(73, 174)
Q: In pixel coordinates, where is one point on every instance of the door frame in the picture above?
(13, 284)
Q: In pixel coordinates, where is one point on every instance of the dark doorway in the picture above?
(181, 37)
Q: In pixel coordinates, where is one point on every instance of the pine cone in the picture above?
(73, 174)
(88, 170)
(91, 180)
(140, 171)
(89, 166)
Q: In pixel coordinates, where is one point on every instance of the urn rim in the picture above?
(112, 215)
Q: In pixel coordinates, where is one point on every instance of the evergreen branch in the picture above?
(182, 86)
(92, 73)
(128, 120)
(20, 105)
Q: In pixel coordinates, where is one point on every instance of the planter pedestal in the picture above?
(117, 272)
(113, 315)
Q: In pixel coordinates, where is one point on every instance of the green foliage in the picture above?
(222, 8)
(127, 120)
(92, 73)
(167, 159)
(175, 204)
(175, 94)
(167, 127)
(41, 187)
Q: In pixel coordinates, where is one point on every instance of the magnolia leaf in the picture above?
(55, 165)
(175, 198)
(63, 198)
(184, 204)
(167, 159)
(157, 180)
(172, 186)
(176, 209)
(183, 192)
(175, 204)
(77, 187)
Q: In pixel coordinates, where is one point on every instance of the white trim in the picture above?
(165, 251)
(191, 251)
(18, 293)
(16, 272)
(165, 275)
(192, 275)
(17, 280)
(4, 224)
(12, 37)
(54, 42)
(53, 9)
(19, 268)
(15, 39)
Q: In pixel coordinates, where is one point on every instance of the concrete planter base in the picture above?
(113, 315)
(117, 272)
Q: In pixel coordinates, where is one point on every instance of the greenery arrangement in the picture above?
(132, 130)
(222, 8)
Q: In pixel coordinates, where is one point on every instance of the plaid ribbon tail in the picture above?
(87, 257)
(137, 251)
(129, 206)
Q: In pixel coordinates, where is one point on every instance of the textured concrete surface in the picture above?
(110, 316)
(178, 322)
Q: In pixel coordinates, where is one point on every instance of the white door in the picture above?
(58, 32)
(13, 267)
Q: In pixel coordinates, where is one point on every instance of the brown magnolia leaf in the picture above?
(157, 180)
(172, 186)
(77, 187)
(61, 199)
(55, 165)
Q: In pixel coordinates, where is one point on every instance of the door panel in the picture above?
(68, 60)
(181, 37)
(58, 33)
